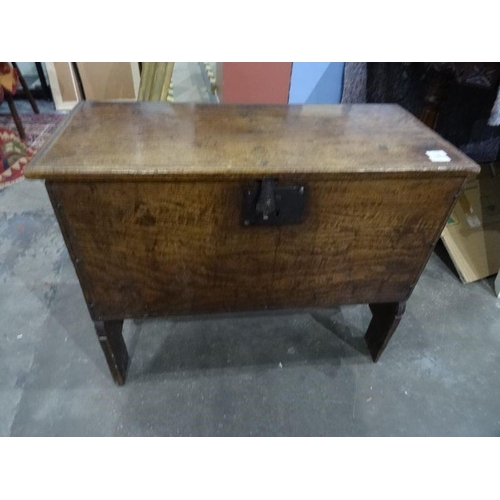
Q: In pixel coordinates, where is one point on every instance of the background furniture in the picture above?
(9, 78)
(155, 81)
(454, 98)
(102, 81)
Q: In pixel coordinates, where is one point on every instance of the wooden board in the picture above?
(158, 141)
(150, 248)
(110, 81)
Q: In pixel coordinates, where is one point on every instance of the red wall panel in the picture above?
(259, 82)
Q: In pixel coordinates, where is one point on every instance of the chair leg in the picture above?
(43, 81)
(15, 115)
(27, 91)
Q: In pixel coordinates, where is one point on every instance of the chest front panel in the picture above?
(155, 248)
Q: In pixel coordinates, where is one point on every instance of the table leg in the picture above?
(386, 318)
(110, 337)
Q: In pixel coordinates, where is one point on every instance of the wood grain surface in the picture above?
(150, 248)
(158, 141)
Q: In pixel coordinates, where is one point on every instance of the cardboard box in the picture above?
(472, 234)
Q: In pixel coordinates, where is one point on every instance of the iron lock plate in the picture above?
(268, 204)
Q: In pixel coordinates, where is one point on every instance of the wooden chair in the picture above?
(10, 76)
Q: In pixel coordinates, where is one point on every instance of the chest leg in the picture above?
(386, 318)
(110, 337)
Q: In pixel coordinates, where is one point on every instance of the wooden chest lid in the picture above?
(145, 141)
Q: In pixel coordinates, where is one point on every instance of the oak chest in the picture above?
(174, 208)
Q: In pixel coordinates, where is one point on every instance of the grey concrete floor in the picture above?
(297, 373)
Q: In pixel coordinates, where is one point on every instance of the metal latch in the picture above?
(267, 203)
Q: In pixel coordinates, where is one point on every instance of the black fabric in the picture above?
(464, 115)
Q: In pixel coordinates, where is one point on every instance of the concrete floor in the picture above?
(301, 373)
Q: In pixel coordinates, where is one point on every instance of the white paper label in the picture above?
(438, 155)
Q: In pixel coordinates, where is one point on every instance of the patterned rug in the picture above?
(15, 153)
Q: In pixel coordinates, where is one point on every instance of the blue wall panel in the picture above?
(316, 83)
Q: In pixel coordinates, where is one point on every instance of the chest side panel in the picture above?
(155, 248)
